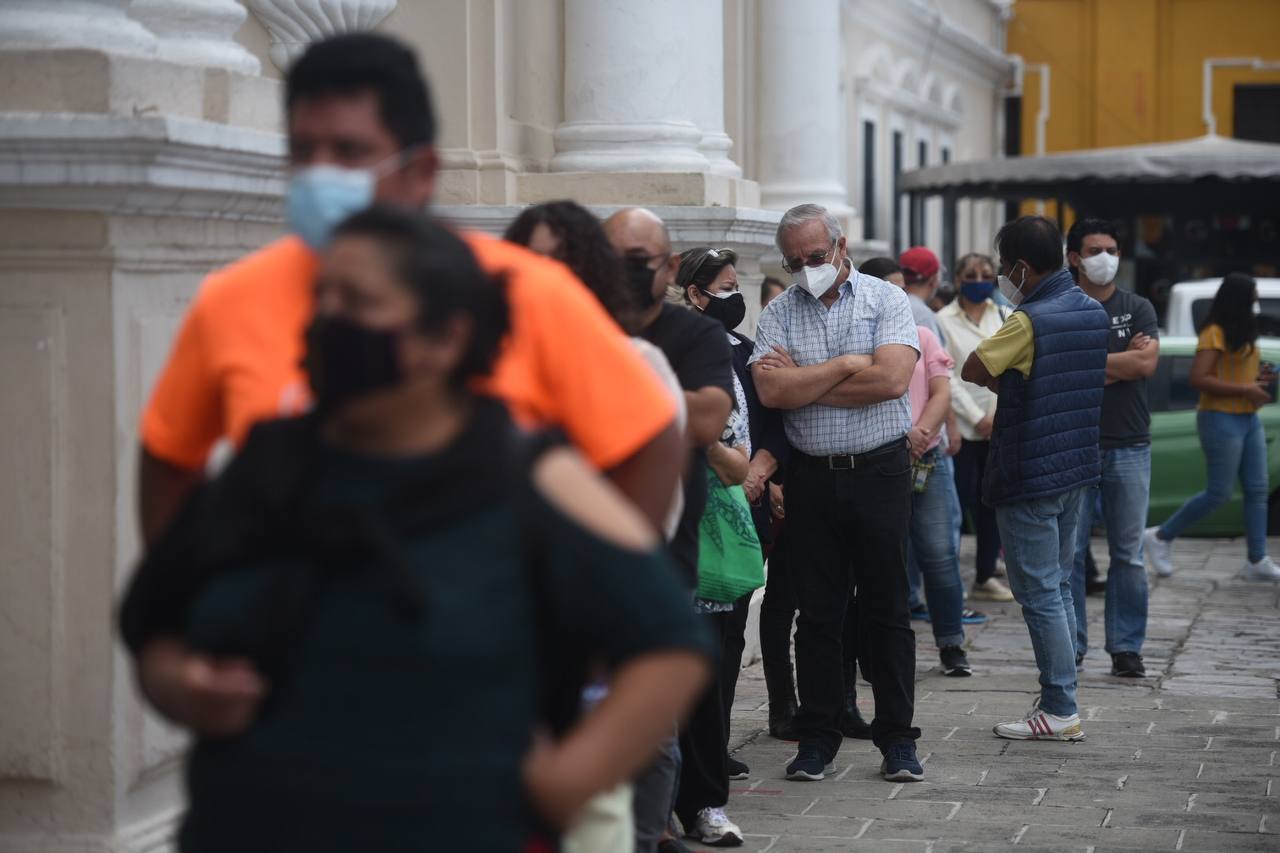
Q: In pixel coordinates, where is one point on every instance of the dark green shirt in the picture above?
(395, 733)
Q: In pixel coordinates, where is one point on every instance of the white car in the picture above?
(1189, 303)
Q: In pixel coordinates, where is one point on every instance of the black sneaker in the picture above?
(738, 770)
(901, 764)
(1128, 665)
(808, 766)
(1095, 586)
(954, 662)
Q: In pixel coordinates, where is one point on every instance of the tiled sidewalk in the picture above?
(1183, 760)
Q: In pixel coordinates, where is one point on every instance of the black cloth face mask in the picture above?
(728, 308)
(640, 278)
(345, 360)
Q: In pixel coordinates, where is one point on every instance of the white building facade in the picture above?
(141, 147)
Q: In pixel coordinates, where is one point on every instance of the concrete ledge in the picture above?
(640, 188)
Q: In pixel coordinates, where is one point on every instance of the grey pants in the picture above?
(654, 796)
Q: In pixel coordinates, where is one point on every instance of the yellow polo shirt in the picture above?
(1013, 347)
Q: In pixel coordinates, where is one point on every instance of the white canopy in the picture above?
(1162, 162)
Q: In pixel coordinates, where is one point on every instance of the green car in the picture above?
(1177, 463)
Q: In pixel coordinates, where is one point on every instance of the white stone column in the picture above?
(294, 24)
(197, 32)
(73, 24)
(704, 67)
(801, 111)
(630, 101)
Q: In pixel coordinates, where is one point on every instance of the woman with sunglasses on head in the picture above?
(400, 590)
(1232, 381)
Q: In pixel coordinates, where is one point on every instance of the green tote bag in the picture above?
(730, 564)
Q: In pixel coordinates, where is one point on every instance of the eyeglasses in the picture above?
(794, 265)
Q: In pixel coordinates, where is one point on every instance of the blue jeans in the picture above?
(1124, 490)
(1039, 538)
(932, 554)
(957, 520)
(1234, 445)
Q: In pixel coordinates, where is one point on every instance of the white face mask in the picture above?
(817, 280)
(1101, 268)
(1011, 291)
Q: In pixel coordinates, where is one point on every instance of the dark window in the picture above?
(946, 155)
(1268, 321)
(922, 158)
(1012, 143)
(869, 180)
(1180, 396)
(1169, 388)
(1257, 112)
(897, 196)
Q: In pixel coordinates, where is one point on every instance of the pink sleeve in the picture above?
(937, 362)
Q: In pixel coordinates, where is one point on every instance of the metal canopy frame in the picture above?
(1199, 174)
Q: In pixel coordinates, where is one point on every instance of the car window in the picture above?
(1177, 393)
(1268, 323)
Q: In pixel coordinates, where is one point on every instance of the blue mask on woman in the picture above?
(977, 291)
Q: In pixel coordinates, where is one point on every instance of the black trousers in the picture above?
(735, 642)
(971, 464)
(777, 614)
(845, 530)
(704, 769)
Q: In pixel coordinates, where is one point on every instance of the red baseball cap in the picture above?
(919, 263)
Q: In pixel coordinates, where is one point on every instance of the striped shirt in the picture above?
(867, 314)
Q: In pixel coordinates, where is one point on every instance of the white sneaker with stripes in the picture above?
(1042, 726)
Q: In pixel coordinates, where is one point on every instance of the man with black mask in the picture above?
(699, 353)
(695, 345)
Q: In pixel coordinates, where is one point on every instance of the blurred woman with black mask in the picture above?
(400, 590)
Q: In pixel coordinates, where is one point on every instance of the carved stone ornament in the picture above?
(293, 24)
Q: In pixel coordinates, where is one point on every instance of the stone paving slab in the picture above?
(1187, 759)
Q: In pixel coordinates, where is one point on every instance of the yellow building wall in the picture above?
(1126, 72)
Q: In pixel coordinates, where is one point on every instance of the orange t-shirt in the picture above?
(237, 357)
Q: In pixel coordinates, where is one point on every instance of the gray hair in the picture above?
(802, 213)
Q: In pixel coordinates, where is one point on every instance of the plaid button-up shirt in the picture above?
(867, 314)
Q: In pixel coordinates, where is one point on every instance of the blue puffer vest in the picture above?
(1045, 440)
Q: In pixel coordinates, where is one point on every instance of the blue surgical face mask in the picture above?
(320, 197)
(977, 291)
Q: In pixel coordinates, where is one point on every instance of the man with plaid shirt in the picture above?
(836, 352)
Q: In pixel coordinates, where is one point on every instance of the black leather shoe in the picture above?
(852, 725)
(782, 720)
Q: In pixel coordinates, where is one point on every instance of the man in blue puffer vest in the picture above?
(1047, 365)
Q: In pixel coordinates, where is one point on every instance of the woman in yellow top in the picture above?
(1232, 387)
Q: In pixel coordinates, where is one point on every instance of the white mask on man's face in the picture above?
(1011, 291)
(1101, 268)
(818, 280)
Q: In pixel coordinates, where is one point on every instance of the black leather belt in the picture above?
(850, 461)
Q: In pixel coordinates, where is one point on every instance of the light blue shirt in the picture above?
(867, 314)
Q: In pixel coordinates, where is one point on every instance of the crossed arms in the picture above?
(846, 381)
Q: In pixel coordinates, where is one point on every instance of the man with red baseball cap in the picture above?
(920, 269)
